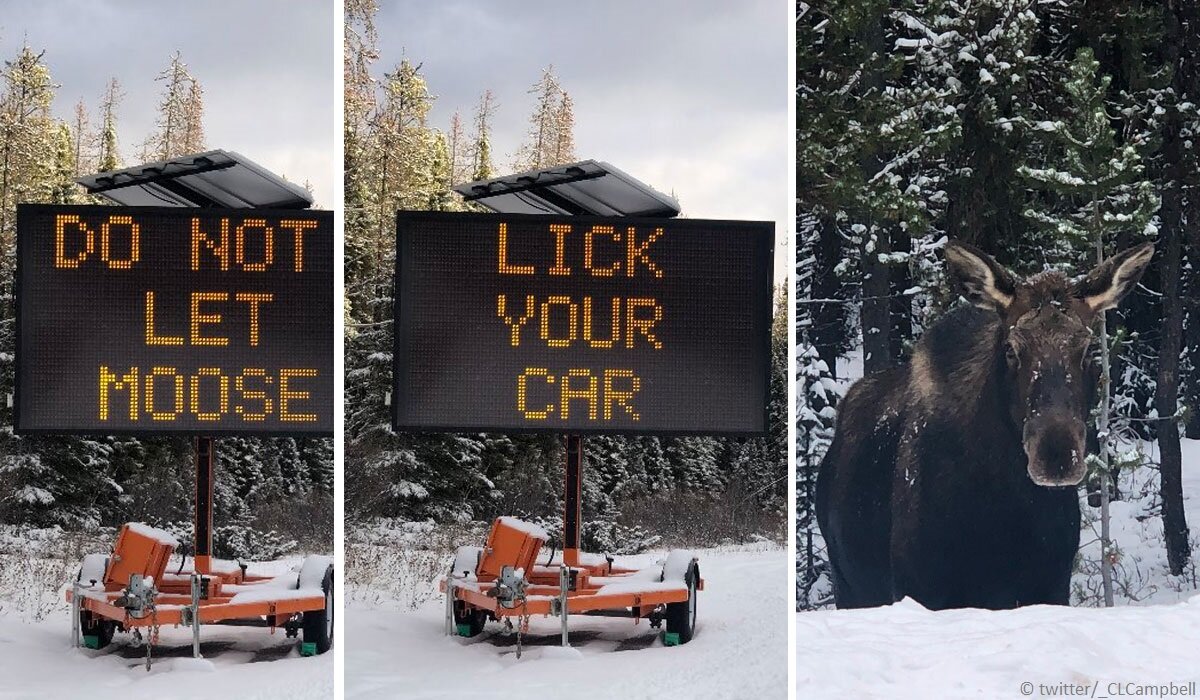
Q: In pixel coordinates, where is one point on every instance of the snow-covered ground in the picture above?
(1151, 637)
(904, 651)
(739, 651)
(246, 663)
(38, 661)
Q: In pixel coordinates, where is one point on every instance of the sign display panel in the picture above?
(581, 324)
(137, 320)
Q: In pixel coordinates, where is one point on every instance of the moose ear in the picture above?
(978, 277)
(1105, 286)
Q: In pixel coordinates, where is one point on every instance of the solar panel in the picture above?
(210, 179)
(585, 188)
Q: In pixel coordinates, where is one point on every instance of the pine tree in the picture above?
(193, 119)
(564, 131)
(109, 157)
(481, 145)
(1102, 192)
(179, 112)
(543, 140)
(81, 131)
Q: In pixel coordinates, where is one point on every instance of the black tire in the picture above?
(318, 624)
(681, 617)
(93, 626)
(468, 620)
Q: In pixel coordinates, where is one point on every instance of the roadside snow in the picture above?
(243, 663)
(739, 651)
(906, 651)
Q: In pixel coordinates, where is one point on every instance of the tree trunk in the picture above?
(900, 305)
(1166, 392)
(876, 316)
(828, 319)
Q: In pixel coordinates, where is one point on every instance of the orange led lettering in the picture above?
(111, 381)
(61, 258)
(286, 394)
(201, 242)
(635, 252)
(268, 245)
(254, 300)
(223, 395)
(505, 267)
(239, 383)
(152, 338)
(569, 393)
(587, 251)
(515, 324)
(614, 325)
(298, 226)
(522, 393)
(618, 397)
(135, 250)
(633, 323)
(560, 232)
(199, 319)
(571, 321)
(177, 382)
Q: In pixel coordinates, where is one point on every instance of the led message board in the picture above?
(139, 320)
(581, 324)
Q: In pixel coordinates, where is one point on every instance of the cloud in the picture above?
(690, 96)
(267, 68)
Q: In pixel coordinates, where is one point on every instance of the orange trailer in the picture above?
(503, 580)
(132, 590)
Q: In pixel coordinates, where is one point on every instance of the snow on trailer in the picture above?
(242, 362)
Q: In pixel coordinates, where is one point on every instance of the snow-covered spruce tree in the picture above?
(481, 139)
(1099, 192)
(43, 480)
(552, 113)
(108, 153)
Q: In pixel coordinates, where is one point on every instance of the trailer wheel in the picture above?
(318, 624)
(681, 616)
(468, 621)
(97, 632)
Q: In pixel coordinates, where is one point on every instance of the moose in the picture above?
(952, 479)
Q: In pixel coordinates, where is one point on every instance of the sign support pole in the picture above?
(202, 526)
(573, 500)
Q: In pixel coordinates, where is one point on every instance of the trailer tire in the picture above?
(681, 616)
(90, 624)
(318, 624)
(468, 621)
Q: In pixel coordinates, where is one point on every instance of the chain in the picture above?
(152, 636)
(522, 624)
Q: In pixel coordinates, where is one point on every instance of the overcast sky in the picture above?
(267, 68)
(689, 96)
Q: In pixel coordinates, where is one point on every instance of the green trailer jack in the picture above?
(308, 649)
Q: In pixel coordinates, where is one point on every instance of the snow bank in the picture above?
(906, 651)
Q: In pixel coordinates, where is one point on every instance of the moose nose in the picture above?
(1055, 451)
